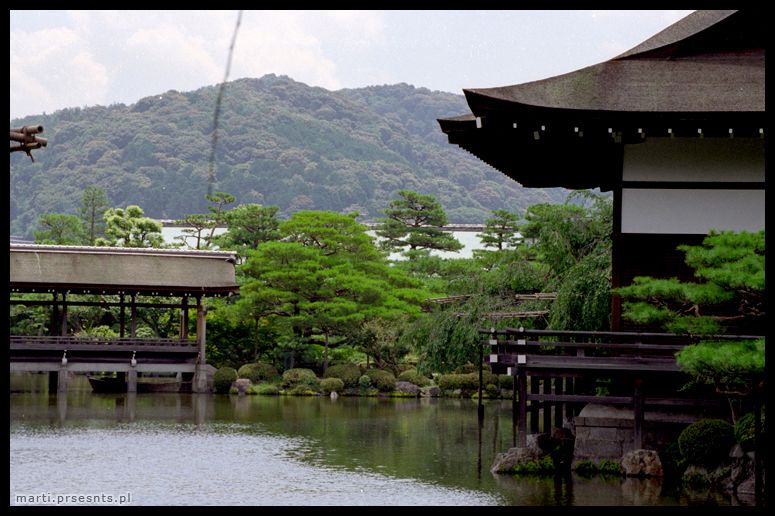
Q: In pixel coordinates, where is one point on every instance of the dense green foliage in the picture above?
(130, 228)
(412, 376)
(258, 372)
(299, 377)
(729, 267)
(280, 143)
(329, 385)
(223, 378)
(500, 230)
(382, 380)
(706, 442)
(348, 373)
(745, 427)
(413, 224)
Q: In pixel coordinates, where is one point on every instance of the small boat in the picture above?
(112, 384)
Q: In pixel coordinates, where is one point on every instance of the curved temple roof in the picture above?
(115, 269)
(707, 68)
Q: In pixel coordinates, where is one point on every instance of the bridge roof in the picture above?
(111, 270)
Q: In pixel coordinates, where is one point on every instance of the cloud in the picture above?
(51, 69)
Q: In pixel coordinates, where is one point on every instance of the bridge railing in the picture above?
(20, 342)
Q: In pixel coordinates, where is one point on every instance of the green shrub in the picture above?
(348, 373)
(382, 380)
(609, 467)
(364, 382)
(505, 381)
(300, 377)
(301, 390)
(585, 468)
(259, 372)
(223, 378)
(412, 376)
(466, 382)
(264, 389)
(466, 369)
(544, 466)
(673, 463)
(492, 390)
(329, 385)
(706, 442)
(745, 427)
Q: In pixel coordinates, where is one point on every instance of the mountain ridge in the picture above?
(280, 142)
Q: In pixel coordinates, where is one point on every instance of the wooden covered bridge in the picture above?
(110, 277)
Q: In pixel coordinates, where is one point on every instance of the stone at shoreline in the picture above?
(407, 388)
(505, 462)
(430, 392)
(242, 385)
(642, 463)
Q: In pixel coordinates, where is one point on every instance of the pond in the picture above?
(189, 449)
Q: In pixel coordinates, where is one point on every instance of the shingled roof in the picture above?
(704, 72)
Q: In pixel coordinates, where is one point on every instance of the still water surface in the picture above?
(186, 449)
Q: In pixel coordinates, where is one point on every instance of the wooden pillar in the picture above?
(62, 379)
(522, 380)
(547, 389)
(570, 411)
(133, 317)
(637, 410)
(131, 380)
(480, 405)
(534, 389)
(559, 405)
(514, 406)
(52, 328)
(63, 330)
(201, 328)
(121, 317)
(758, 447)
(184, 318)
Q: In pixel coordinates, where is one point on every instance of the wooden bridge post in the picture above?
(131, 380)
(199, 383)
(184, 318)
(63, 329)
(535, 404)
(522, 380)
(480, 406)
(122, 316)
(133, 317)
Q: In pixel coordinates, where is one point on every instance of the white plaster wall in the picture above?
(695, 159)
(674, 211)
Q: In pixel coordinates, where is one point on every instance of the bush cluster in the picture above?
(466, 381)
(412, 376)
(364, 382)
(329, 385)
(223, 378)
(706, 442)
(258, 372)
(348, 373)
(265, 389)
(300, 377)
(382, 380)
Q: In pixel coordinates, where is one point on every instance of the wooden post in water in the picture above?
(522, 380)
(547, 389)
(63, 329)
(184, 318)
(133, 317)
(637, 406)
(481, 359)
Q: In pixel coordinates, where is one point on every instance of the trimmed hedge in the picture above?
(412, 376)
(300, 377)
(348, 373)
(466, 382)
(706, 442)
(259, 372)
(329, 385)
(264, 389)
(223, 378)
(364, 382)
(382, 380)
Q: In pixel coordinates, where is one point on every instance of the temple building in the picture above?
(674, 128)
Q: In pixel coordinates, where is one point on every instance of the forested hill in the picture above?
(280, 142)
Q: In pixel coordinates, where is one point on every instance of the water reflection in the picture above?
(290, 451)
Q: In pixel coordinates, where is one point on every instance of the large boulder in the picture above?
(642, 463)
(430, 391)
(407, 388)
(242, 384)
(506, 462)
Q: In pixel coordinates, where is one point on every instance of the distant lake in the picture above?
(468, 238)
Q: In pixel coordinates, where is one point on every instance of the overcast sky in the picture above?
(83, 58)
